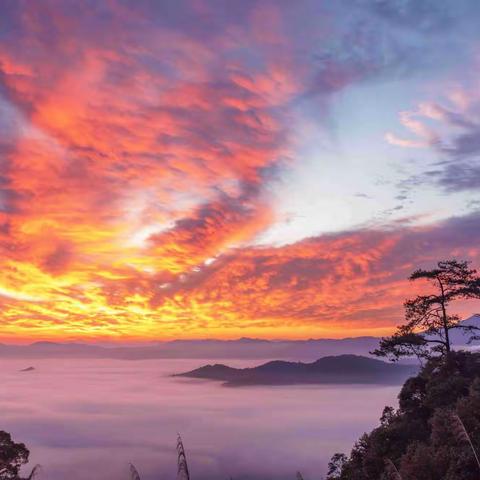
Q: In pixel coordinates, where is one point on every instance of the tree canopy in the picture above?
(12, 457)
(428, 317)
(433, 435)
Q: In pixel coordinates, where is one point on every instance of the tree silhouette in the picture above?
(12, 457)
(434, 434)
(336, 465)
(428, 321)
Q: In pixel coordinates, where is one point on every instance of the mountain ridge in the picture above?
(242, 348)
(339, 369)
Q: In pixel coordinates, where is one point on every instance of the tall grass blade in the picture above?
(133, 473)
(299, 476)
(182, 469)
(34, 472)
(392, 470)
(461, 435)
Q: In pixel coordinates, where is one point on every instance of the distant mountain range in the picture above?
(243, 348)
(457, 337)
(342, 369)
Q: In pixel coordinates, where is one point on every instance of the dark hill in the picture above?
(433, 435)
(340, 369)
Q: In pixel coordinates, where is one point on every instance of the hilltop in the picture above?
(342, 369)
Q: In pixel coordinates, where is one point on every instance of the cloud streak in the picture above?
(139, 147)
(353, 280)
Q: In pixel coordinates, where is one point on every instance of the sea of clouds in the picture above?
(87, 419)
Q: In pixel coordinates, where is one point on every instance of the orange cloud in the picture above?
(137, 155)
(135, 176)
(337, 285)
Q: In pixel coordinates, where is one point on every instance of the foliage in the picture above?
(336, 465)
(433, 435)
(12, 457)
(428, 321)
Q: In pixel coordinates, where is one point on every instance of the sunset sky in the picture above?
(206, 168)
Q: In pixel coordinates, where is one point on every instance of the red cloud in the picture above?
(135, 173)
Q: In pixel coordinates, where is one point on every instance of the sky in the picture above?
(211, 168)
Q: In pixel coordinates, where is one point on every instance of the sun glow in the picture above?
(151, 175)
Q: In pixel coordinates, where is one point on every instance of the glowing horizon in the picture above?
(229, 169)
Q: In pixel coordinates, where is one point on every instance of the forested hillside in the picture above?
(434, 433)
